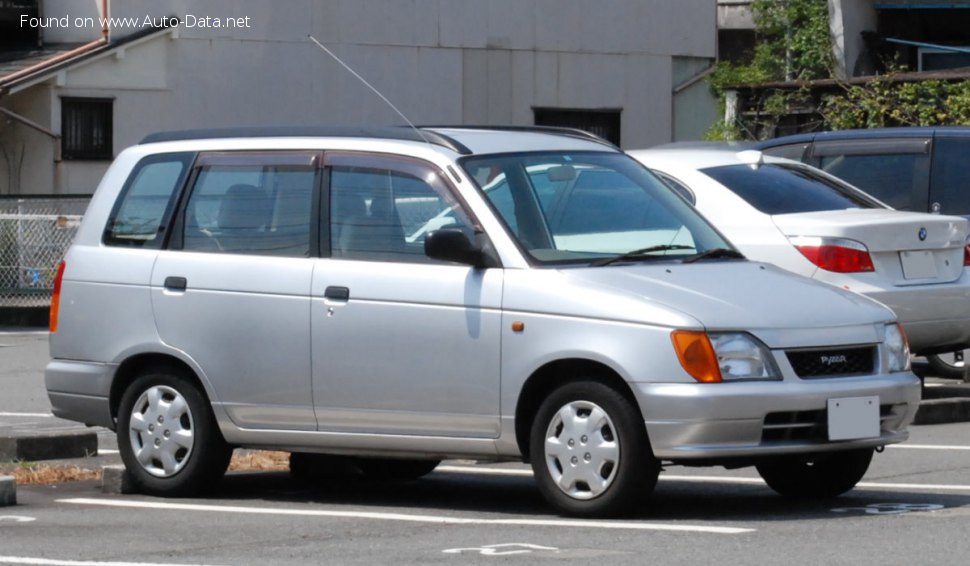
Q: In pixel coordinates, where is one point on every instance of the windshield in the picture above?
(583, 207)
(784, 189)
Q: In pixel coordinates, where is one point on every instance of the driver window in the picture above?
(378, 212)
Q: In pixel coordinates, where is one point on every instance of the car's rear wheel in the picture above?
(951, 365)
(589, 451)
(819, 476)
(390, 469)
(167, 435)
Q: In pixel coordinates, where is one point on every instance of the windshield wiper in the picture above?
(715, 253)
(642, 253)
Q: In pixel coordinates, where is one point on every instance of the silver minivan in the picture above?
(393, 297)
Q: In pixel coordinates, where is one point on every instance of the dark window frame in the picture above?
(87, 128)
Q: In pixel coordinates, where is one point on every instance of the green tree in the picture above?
(793, 44)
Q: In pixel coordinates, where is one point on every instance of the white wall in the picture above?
(847, 20)
(439, 61)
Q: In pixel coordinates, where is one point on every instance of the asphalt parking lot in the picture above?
(912, 506)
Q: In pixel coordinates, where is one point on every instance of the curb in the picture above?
(8, 491)
(48, 446)
(25, 316)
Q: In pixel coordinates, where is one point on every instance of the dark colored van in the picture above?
(925, 169)
(919, 169)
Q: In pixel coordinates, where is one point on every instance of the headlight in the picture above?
(898, 348)
(741, 356)
(711, 358)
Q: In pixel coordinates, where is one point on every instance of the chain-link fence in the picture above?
(35, 232)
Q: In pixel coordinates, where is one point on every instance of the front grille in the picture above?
(832, 362)
(809, 425)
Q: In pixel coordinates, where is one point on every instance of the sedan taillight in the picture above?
(966, 255)
(835, 254)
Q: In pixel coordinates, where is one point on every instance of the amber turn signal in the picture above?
(696, 355)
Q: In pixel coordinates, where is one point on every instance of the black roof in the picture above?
(870, 133)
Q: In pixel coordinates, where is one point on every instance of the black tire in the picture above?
(601, 463)
(162, 408)
(820, 476)
(386, 469)
(945, 366)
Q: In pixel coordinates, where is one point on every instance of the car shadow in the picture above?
(672, 500)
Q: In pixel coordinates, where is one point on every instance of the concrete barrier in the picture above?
(43, 446)
(8, 491)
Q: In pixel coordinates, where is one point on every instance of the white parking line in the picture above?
(927, 447)
(706, 479)
(26, 415)
(51, 562)
(14, 332)
(435, 519)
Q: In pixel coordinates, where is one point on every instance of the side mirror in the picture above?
(451, 244)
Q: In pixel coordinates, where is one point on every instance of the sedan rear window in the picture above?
(784, 189)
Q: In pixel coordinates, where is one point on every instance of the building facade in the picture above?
(627, 69)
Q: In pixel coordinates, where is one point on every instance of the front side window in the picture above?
(382, 208)
(785, 189)
(587, 206)
(251, 209)
(146, 202)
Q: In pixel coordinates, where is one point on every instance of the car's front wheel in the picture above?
(167, 435)
(589, 451)
(819, 476)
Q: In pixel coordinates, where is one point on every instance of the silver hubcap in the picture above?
(582, 450)
(161, 431)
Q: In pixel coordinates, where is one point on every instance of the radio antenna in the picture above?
(370, 86)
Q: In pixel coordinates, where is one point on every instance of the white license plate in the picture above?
(918, 264)
(853, 417)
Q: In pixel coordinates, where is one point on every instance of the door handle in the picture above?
(176, 283)
(337, 293)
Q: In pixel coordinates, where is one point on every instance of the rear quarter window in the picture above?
(951, 174)
(784, 189)
(898, 180)
(145, 204)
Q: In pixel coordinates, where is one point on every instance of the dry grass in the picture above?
(259, 461)
(32, 473)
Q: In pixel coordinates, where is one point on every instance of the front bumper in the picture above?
(721, 421)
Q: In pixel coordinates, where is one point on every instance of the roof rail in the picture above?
(555, 130)
(402, 133)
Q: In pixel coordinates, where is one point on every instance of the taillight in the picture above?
(56, 296)
(835, 254)
(966, 255)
